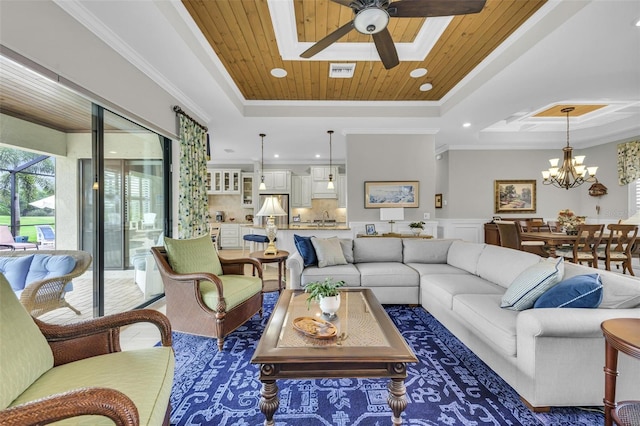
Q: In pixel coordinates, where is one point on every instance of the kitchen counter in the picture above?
(341, 226)
(285, 233)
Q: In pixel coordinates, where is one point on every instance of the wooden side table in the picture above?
(279, 258)
(620, 334)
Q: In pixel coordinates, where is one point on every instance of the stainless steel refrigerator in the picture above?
(284, 202)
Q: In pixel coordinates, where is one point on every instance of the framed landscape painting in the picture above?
(515, 196)
(391, 194)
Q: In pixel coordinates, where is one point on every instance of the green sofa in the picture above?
(77, 374)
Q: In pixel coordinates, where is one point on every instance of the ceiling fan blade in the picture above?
(427, 8)
(343, 2)
(386, 49)
(327, 41)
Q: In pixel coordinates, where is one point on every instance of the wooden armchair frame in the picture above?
(46, 295)
(79, 341)
(186, 309)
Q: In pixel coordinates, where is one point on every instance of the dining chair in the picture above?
(510, 237)
(584, 249)
(554, 226)
(619, 244)
(537, 225)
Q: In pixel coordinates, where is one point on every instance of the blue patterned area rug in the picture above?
(449, 386)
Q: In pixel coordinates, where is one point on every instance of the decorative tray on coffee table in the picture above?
(315, 327)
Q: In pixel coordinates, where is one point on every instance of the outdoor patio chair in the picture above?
(46, 236)
(6, 239)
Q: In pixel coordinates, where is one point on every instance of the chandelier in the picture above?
(572, 172)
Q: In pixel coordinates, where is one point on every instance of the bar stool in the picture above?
(252, 239)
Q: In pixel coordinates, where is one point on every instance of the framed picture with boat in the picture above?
(515, 196)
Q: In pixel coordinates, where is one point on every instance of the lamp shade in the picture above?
(392, 213)
(271, 207)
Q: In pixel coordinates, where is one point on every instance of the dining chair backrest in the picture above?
(537, 225)
(554, 226)
(621, 238)
(587, 241)
(509, 234)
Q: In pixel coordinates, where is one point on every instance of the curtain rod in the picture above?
(179, 110)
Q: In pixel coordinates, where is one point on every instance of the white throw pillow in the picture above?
(532, 282)
(329, 251)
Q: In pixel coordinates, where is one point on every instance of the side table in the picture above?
(620, 334)
(279, 258)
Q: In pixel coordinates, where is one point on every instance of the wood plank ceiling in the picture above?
(242, 35)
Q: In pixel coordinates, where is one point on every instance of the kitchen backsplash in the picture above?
(318, 206)
(230, 206)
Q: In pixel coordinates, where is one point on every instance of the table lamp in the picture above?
(271, 208)
(391, 215)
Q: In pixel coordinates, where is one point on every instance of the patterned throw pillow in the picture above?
(193, 255)
(580, 291)
(532, 283)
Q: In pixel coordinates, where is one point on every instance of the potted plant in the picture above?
(326, 293)
(416, 227)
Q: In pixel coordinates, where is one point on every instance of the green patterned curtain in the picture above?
(628, 162)
(193, 208)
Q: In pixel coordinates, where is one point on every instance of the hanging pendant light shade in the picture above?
(330, 184)
(262, 185)
(572, 172)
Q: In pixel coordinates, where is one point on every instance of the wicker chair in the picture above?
(32, 396)
(186, 308)
(46, 295)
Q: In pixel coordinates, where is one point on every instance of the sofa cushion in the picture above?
(502, 265)
(236, 288)
(418, 250)
(618, 291)
(377, 250)
(306, 250)
(347, 273)
(581, 291)
(15, 270)
(144, 375)
(496, 326)
(532, 283)
(387, 274)
(435, 268)
(193, 255)
(464, 255)
(329, 251)
(347, 249)
(444, 287)
(24, 353)
(46, 266)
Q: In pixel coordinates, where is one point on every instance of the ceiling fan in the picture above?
(372, 17)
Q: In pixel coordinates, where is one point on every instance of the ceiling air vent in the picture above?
(341, 70)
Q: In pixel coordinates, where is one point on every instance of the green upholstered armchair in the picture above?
(207, 295)
(55, 373)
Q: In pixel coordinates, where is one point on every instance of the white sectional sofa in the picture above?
(550, 356)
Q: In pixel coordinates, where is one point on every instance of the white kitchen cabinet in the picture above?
(229, 235)
(223, 181)
(277, 180)
(301, 191)
(246, 197)
(342, 191)
(321, 173)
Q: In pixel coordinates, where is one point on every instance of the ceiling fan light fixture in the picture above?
(371, 20)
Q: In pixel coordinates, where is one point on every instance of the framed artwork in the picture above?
(391, 194)
(438, 201)
(370, 229)
(515, 196)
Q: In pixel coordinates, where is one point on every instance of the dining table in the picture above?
(553, 240)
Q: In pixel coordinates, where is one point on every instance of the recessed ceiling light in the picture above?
(113, 152)
(466, 125)
(276, 155)
(418, 72)
(426, 87)
(638, 23)
(317, 155)
(279, 72)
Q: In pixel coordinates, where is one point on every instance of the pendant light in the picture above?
(330, 184)
(572, 172)
(262, 186)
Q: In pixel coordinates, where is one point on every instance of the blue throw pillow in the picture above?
(581, 291)
(306, 250)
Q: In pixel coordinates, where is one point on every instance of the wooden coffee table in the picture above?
(367, 344)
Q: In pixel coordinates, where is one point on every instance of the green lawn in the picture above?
(27, 223)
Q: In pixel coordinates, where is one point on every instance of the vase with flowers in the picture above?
(568, 221)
